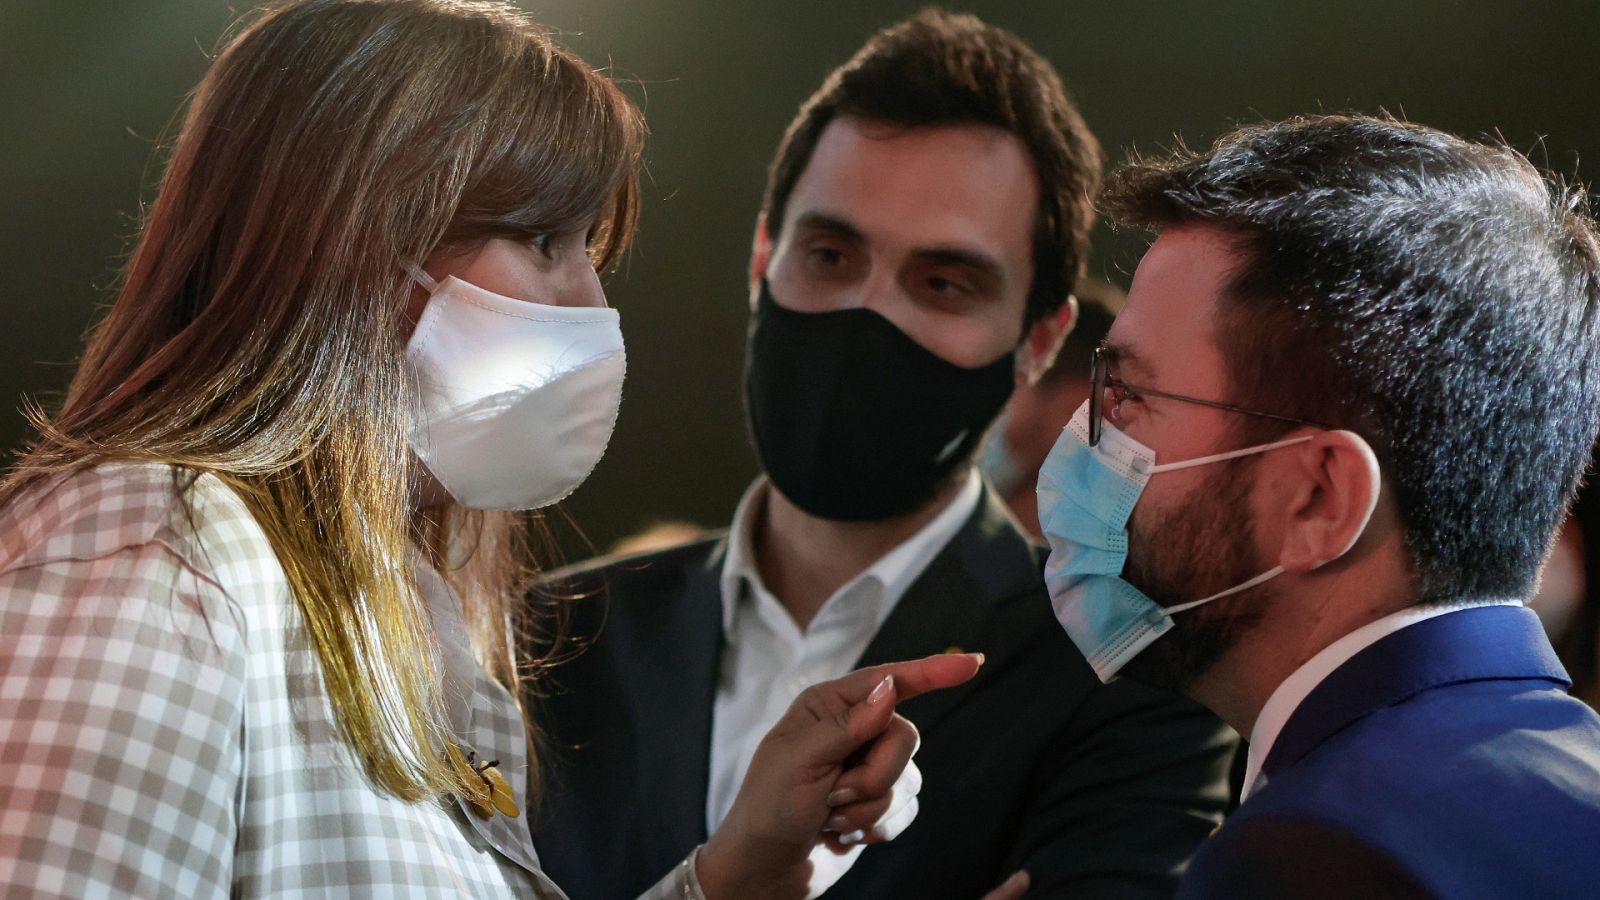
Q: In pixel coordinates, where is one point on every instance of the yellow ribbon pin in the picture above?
(501, 798)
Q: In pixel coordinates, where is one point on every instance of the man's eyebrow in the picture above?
(1124, 357)
(827, 222)
(831, 223)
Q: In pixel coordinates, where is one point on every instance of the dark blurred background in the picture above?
(88, 89)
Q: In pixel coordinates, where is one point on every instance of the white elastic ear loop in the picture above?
(1232, 454)
(1268, 575)
(422, 278)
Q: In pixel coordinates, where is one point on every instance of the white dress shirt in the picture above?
(1293, 691)
(767, 660)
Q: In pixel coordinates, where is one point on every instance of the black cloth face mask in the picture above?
(852, 418)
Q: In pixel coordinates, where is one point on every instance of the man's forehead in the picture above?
(1139, 339)
(950, 185)
(1170, 314)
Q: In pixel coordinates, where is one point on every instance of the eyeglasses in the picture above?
(1100, 381)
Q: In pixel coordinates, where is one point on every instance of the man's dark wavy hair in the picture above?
(937, 68)
(1435, 295)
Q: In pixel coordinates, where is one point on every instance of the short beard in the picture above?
(1204, 545)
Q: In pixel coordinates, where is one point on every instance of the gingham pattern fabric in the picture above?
(164, 731)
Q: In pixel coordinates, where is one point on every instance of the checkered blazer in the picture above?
(164, 730)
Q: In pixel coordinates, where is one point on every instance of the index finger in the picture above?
(1011, 888)
(912, 677)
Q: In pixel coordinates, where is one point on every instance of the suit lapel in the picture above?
(952, 603)
(1475, 644)
(679, 648)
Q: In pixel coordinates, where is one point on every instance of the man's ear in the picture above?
(1043, 341)
(1336, 483)
(760, 253)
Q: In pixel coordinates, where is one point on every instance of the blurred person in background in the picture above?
(1568, 599)
(924, 224)
(258, 573)
(1033, 418)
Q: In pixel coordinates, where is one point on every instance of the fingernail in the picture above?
(980, 658)
(843, 796)
(882, 690)
(838, 823)
(854, 837)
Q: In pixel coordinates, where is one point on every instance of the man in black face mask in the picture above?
(925, 218)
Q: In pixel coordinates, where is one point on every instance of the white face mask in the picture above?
(514, 402)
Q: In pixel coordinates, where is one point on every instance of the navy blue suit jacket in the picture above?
(1444, 760)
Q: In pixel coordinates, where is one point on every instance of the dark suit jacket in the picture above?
(1445, 760)
(1097, 791)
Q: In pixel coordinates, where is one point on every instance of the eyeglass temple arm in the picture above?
(1113, 382)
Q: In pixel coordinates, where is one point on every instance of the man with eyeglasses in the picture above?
(1332, 434)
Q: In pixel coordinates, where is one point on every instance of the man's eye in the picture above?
(949, 288)
(541, 243)
(827, 256)
(1116, 397)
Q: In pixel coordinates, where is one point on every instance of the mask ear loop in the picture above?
(1264, 577)
(422, 278)
(1232, 454)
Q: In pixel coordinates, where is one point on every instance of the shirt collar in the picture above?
(1286, 698)
(894, 571)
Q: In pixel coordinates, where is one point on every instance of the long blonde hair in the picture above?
(258, 332)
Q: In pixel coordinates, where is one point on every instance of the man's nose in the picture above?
(879, 292)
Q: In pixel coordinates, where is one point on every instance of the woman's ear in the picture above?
(1334, 488)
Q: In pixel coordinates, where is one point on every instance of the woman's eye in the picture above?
(541, 243)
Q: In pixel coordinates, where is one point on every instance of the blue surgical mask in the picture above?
(997, 462)
(1086, 495)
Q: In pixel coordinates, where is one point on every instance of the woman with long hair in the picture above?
(260, 574)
